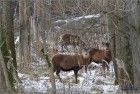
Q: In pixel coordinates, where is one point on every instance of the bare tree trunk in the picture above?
(2, 80)
(41, 24)
(137, 19)
(49, 65)
(112, 30)
(7, 84)
(7, 51)
(135, 42)
(38, 20)
(134, 21)
(24, 17)
(46, 27)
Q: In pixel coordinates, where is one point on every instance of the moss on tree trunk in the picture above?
(7, 41)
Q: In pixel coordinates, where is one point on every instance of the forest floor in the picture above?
(36, 80)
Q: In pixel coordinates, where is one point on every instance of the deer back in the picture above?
(69, 39)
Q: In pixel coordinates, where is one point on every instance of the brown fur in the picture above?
(69, 62)
(69, 39)
(100, 56)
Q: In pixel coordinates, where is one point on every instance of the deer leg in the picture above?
(62, 48)
(57, 73)
(86, 67)
(107, 66)
(103, 66)
(76, 74)
(66, 47)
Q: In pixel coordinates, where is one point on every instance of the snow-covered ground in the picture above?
(92, 82)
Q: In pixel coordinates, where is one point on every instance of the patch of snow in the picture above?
(70, 73)
(20, 75)
(110, 88)
(91, 16)
(38, 86)
(57, 27)
(77, 18)
(95, 64)
(62, 22)
(44, 78)
(34, 86)
(58, 21)
(17, 40)
(67, 53)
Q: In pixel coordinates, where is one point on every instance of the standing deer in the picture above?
(101, 56)
(70, 62)
(69, 39)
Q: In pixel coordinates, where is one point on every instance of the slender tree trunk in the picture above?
(2, 80)
(135, 42)
(137, 19)
(7, 51)
(112, 30)
(24, 17)
(46, 27)
(21, 12)
(39, 10)
(6, 85)
(134, 21)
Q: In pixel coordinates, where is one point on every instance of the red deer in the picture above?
(69, 39)
(69, 62)
(101, 56)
